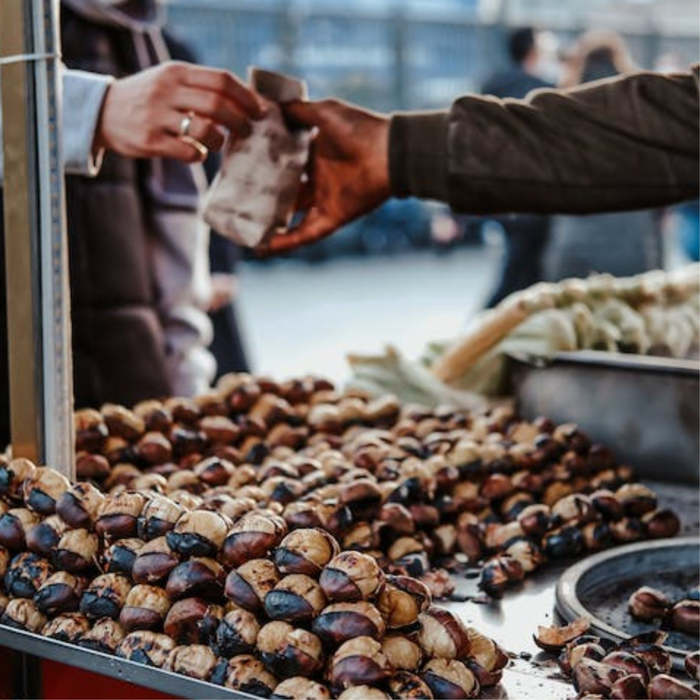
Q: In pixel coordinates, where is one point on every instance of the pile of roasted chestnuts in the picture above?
(639, 667)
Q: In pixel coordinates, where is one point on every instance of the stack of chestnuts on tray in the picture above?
(245, 603)
(260, 521)
(639, 667)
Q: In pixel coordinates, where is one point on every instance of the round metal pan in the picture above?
(598, 587)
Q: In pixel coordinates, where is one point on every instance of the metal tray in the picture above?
(598, 587)
(647, 409)
(167, 682)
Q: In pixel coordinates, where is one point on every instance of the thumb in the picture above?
(304, 113)
(315, 226)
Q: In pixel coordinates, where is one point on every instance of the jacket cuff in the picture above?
(83, 94)
(418, 164)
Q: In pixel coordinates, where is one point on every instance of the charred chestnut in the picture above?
(627, 530)
(605, 502)
(442, 635)
(198, 576)
(195, 661)
(300, 688)
(25, 575)
(664, 687)
(661, 523)
(636, 499)
(525, 552)
(245, 673)
(118, 515)
(79, 505)
(145, 608)
(154, 562)
(574, 509)
(295, 598)
(43, 488)
(23, 614)
(401, 600)
(158, 516)
(448, 678)
(43, 537)
(119, 557)
(498, 573)
(198, 533)
(596, 535)
(305, 551)
(105, 596)
(248, 585)
(554, 639)
(59, 593)
(146, 647)
(685, 617)
(250, 538)
(237, 633)
(68, 627)
(648, 603)
(77, 551)
(13, 475)
(289, 652)
(342, 621)
(409, 686)
(562, 543)
(14, 525)
(358, 661)
(193, 621)
(351, 576)
(105, 636)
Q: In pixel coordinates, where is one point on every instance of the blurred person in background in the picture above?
(525, 236)
(621, 244)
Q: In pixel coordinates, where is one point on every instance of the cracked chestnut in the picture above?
(198, 533)
(68, 627)
(351, 576)
(105, 636)
(449, 678)
(295, 598)
(339, 622)
(145, 608)
(193, 660)
(105, 596)
(193, 621)
(289, 652)
(245, 673)
(59, 593)
(146, 647)
(305, 551)
(25, 575)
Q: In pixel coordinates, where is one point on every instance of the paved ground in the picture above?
(301, 317)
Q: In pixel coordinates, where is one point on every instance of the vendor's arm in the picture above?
(623, 143)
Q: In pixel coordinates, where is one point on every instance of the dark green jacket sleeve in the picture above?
(624, 143)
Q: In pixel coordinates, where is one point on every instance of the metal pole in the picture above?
(38, 300)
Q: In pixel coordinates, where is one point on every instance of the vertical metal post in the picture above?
(38, 301)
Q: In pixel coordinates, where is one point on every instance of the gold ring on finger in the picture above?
(197, 145)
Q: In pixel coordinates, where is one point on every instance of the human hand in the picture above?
(141, 115)
(348, 172)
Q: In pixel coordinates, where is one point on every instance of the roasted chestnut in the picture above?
(648, 603)
(574, 509)
(193, 621)
(250, 538)
(631, 686)
(449, 678)
(145, 608)
(13, 475)
(661, 523)
(401, 652)
(295, 598)
(194, 660)
(664, 687)
(339, 622)
(486, 658)
(245, 673)
(300, 688)
(105, 596)
(498, 573)
(595, 678)
(656, 657)
(118, 515)
(401, 600)
(554, 639)
(42, 490)
(248, 585)
(692, 665)
(22, 613)
(358, 661)
(605, 502)
(409, 686)
(469, 536)
(90, 429)
(158, 516)
(198, 576)
(146, 647)
(442, 635)
(77, 551)
(562, 543)
(79, 505)
(154, 562)
(105, 636)
(154, 448)
(628, 662)
(59, 593)
(596, 535)
(43, 537)
(214, 471)
(14, 525)
(289, 652)
(68, 627)
(636, 499)
(25, 575)
(525, 552)
(579, 649)
(119, 557)
(351, 576)
(684, 617)
(237, 633)
(305, 551)
(363, 692)
(198, 533)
